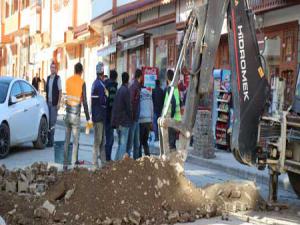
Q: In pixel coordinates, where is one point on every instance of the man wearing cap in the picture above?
(99, 101)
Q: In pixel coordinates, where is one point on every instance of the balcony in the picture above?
(259, 6)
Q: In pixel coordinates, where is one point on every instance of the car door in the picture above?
(16, 114)
(31, 112)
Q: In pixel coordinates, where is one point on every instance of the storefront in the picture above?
(279, 45)
(137, 50)
(165, 54)
(107, 55)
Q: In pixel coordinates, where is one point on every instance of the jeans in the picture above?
(74, 128)
(155, 124)
(144, 135)
(52, 122)
(122, 142)
(134, 140)
(99, 144)
(172, 139)
(109, 135)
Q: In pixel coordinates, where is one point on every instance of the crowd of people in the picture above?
(132, 110)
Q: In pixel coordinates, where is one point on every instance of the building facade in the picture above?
(130, 34)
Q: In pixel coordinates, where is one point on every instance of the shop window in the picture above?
(161, 55)
(271, 53)
(288, 46)
(165, 56)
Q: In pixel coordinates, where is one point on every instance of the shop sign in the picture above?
(132, 42)
(107, 50)
(150, 74)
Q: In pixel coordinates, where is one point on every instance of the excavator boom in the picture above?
(249, 84)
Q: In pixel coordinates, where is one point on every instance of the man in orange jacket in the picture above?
(76, 95)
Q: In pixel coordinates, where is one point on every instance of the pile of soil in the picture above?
(146, 191)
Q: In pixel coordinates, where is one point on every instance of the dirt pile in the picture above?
(146, 191)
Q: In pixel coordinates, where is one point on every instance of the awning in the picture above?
(107, 50)
(132, 42)
(135, 8)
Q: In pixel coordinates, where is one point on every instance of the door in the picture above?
(31, 111)
(16, 111)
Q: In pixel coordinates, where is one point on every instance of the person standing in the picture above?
(174, 109)
(98, 116)
(122, 116)
(36, 81)
(75, 97)
(145, 120)
(53, 98)
(112, 88)
(158, 96)
(134, 132)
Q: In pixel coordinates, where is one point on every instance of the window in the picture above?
(25, 4)
(27, 90)
(3, 92)
(16, 91)
(15, 5)
(7, 14)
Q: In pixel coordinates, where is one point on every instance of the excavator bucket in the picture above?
(249, 83)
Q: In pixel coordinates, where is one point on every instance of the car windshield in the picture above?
(3, 91)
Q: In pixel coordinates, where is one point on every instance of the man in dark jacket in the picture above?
(158, 97)
(53, 98)
(112, 87)
(122, 116)
(98, 116)
(134, 132)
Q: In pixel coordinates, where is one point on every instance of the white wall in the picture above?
(124, 2)
(84, 14)
(100, 7)
(65, 19)
(46, 17)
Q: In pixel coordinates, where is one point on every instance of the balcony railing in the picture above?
(266, 5)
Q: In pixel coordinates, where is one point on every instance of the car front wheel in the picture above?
(4, 140)
(41, 141)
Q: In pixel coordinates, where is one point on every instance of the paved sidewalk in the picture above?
(226, 162)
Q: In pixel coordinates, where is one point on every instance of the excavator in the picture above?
(258, 138)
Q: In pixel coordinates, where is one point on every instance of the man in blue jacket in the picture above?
(99, 99)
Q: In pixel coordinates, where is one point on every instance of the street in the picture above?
(23, 156)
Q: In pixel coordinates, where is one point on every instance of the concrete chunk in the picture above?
(23, 186)
(49, 207)
(11, 186)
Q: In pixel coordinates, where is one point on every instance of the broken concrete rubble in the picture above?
(49, 207)
(10, 186)
(106, 197)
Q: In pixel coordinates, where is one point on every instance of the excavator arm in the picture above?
(249, 84)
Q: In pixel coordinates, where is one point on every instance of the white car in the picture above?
(23, 115)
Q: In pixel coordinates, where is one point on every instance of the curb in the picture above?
(242, 173)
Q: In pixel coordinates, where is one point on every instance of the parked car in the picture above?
(23, 115)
